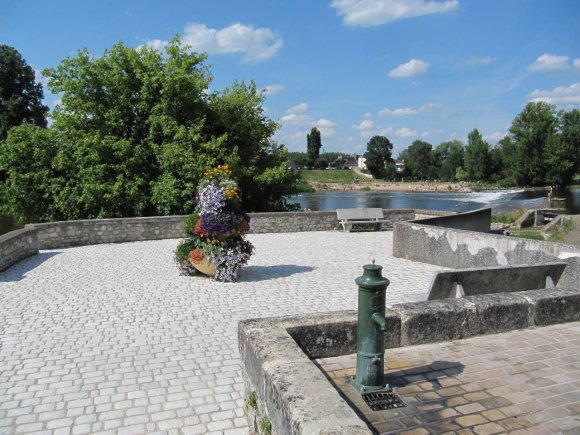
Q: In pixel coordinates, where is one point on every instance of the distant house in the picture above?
(400, 165)
(292, 165)
(361, 162)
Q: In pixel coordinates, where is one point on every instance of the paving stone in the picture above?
(125, 330)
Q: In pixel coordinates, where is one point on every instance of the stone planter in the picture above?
(205, 267)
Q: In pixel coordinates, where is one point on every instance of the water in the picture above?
(502, 201)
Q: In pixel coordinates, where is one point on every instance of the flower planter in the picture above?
(205, 267)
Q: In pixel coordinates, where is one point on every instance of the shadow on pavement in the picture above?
(264, 273)
(19, 270)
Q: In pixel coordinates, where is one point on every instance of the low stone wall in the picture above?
(17, 245)
(297, 398)
(460, 249)
(54, 235)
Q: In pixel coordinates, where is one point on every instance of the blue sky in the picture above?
(407, 69)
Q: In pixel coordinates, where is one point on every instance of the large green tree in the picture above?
(313, 145)
(448, 156)
(418, 159)
(530, 133)
(378, 155)
(136, 129)
(477, 157)
(20, 95)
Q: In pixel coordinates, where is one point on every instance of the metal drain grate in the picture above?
(383, 400)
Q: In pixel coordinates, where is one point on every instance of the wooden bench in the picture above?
(361, 219)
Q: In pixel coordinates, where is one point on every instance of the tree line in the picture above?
(542, 147)
(132, 135)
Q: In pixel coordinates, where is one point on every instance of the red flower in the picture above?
(196, 256)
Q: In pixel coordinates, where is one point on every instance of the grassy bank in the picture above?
(346, 176)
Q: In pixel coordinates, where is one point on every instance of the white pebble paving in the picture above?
(109, 338)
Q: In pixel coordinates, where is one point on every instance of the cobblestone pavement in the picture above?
(521, 382)
(111, 338)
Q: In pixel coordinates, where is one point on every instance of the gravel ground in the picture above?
(111, 338)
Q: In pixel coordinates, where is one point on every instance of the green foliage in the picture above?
(28, 156)
(560, 232)
(477, 157)
(133, 136)
(530, 131)
(533, 235)
(252, 400)
(378, 154)
(345, 176)
(418, 159)
(265, 426)
(20, 96)
(313, 145)
(447, 157)
(508, 218)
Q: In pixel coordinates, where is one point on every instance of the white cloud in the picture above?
(365, 124)
(404, 132)
(367, 13)
(255, 44)
(403, 111)
(299, 108)
(272, 89)
(476, 61)
(407, 111)
(549, 62)
(295, 118)
(412, 68)
(157, 44)
(325, 127)
(325, 123)
(576, 63)
(296, 124)
(562, 95)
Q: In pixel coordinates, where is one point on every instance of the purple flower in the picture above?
(217, 223)
(212, 199)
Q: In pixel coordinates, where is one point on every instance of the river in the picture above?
(502, 201)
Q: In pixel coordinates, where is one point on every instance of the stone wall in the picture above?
(17, 245)
(52, 235)
(459, 249)
(297, 398)
(14, 246)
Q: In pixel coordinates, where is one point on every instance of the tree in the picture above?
(570, 131)
(313, 145)
(477, 158)
(237, 115)
(562, 152)
(378, 155)
(450, 157)
(418, 159)
(28, 156)
(20, 96)
(530, 132)
(136, 130)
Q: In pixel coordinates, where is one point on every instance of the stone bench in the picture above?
(479, 281)
(361, 219)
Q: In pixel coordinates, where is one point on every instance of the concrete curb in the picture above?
(297, 398)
